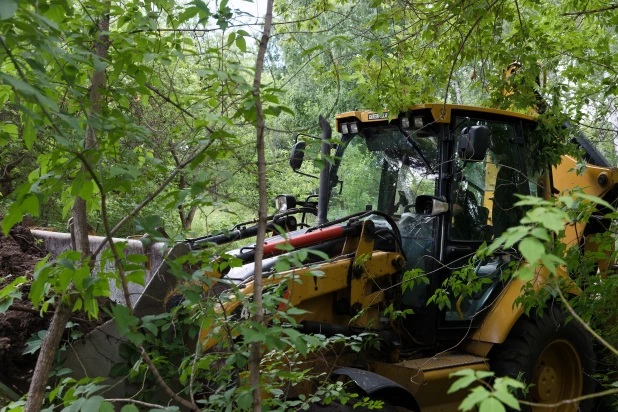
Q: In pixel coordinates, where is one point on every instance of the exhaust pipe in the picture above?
(324, 193)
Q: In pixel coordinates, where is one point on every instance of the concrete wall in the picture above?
(56, 243)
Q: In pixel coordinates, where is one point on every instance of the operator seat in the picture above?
(470, 223)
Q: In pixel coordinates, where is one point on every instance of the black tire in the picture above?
(528, 340)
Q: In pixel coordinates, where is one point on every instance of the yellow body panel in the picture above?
(565, 179)
(502, 315)
(426, 378)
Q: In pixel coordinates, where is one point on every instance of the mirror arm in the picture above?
(465, 119)
(306, 135)
(306, 174)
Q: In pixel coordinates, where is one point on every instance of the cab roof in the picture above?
(441, 113)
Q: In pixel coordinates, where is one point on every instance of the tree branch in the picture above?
(579, 13)
(584, 324)
(62, 314)
(254, 350)
(140, 403)
(461, 46)
(568, 401)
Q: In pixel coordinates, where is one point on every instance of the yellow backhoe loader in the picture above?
(421, 190)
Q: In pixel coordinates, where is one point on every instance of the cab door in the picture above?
(481, 197)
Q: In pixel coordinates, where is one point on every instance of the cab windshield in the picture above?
(382, 170)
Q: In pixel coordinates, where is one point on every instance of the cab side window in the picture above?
(483, 194)
(536, 161)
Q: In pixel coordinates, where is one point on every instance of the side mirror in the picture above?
(297, 155)
(474, 142)
(427, 205)
(285, 202)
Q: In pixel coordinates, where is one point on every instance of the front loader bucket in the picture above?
(97, 352)
(56, 243)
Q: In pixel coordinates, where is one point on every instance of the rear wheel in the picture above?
(556, 358)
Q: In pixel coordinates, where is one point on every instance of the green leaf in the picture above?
(106, 407)
(282, 265)
(231, 38)
(18, 84)
(540, 234)
(525, 273)
(12, 288)
(34, 343)
(483, 374)
(28, 133)
(10, 128)
(124, 320)
(244, 400)
(8, 8)
(301, 345)
(491, 405)
(140, 77)
(136, 338)
(27, 204)
(86, 189)
(296, 311)
(532, 249)
(594, 199)
(151, 328)
(461, 383)
(476, 396)
(462, 372)
(503, 384)
(92, 404)
(129, 407)
(188, 13)
(252, 335)
(76, 406)
(567, 200)
(507, 399)
(241, 43)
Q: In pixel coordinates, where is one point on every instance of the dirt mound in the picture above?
(19, 254)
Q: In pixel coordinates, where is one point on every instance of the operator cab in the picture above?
(449, 177)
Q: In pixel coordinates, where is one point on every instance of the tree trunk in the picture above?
(186, 219)
(189, 218)
(254, 353)
(36, 393)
